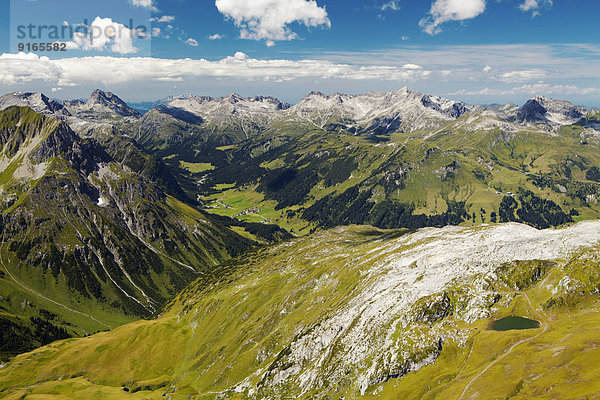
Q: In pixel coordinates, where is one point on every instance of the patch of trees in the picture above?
(508, 206)
(45, 332)
(575, 189)
(354, 207)
(339, 171)
(350, 207)
(269, 232)
(239, 166)
(16, 336)
(494, 217)
(593, 174)
(542, 181)
(288, 186)
(532, 210)
(237, 173)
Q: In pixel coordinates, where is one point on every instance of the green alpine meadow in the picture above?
(386, 245)
(299, 199)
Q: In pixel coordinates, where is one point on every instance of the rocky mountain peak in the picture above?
(234, 98)
(23, 132)
(108, 101)
(100, 104)
(548, 110)
(380, 112)
(39, 102)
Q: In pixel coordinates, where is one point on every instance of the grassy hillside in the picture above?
(94, 233)
(354, 312)
(472, 163)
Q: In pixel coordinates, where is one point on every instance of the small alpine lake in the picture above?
(510, 323)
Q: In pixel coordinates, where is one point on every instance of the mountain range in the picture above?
(94, 230)
(345, 246)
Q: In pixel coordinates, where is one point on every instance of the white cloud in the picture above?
(450, 10)
(445, 70)
(523, 76)
(105, 34)
(165, 18)
(24, 68)
(21, 68)
(487, 68)
(240, 56)
(390, 5)
(216, 36)
(269, 19)
(192, 42)
(530, 90)
(534, 6)
(156, 32)
(143, 3)
(529, 5)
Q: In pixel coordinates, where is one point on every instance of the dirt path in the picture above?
(510, 349)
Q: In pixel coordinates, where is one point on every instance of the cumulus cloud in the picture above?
(270, 19)
(445, 69)
(534, 6)
(21, 68)
(24, 68)
(529, 5)
(149, 4)
(450, 10)
(105, 34)
(165, 18)
(192, 42)
(216, 36)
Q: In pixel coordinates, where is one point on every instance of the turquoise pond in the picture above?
(510, 323)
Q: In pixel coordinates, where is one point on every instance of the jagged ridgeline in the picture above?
(395, 159)
(355, 313)
(108, 213)
(94, 233)
(387, 159)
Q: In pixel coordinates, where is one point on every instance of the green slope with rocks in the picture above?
(353, 312)
(94, 232)
(314, 165)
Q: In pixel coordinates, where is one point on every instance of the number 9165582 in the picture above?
(42, 46)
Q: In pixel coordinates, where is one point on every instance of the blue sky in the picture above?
(472, 50)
